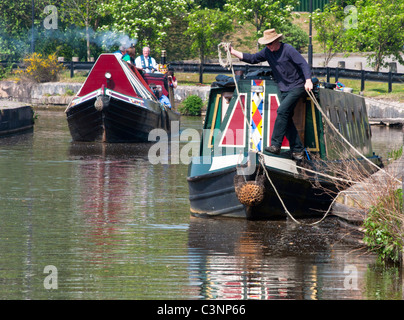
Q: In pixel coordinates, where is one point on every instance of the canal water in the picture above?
(99, 221)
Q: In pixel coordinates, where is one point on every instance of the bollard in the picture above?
(341, 64)
(393, 67)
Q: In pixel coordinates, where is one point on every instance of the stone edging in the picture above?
(54, 94)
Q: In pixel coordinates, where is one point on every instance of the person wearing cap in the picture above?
(293, 75)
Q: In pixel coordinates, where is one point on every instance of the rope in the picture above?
(313, 98)
(283, 204)
(228, 64)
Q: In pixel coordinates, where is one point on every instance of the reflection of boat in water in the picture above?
(233, 176)
(116, 104)
(237, 259)
(88, 150)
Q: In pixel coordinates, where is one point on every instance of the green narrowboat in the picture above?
(233, 175)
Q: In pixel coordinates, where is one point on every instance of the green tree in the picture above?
(329, 25)
(83, 13)
(206, 29)
(294, 35)
(379, 30)
(263, 14)
(16, 25)
(147, 21)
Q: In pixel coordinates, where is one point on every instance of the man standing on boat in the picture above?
(293, 75)
(146, 62)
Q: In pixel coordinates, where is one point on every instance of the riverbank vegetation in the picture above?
(384, 223)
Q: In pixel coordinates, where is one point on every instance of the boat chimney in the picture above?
(163, 57)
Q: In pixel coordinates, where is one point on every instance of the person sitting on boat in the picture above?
(145, 62)
(172, 81)
(120, 52)
(162, 98)
(130, 55)
(293, 75)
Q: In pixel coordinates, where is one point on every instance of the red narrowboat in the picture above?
(117, 104)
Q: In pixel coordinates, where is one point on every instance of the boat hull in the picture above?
(214, 194)
(118, 122)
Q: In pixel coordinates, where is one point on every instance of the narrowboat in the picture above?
(116, 103)
(233, 175)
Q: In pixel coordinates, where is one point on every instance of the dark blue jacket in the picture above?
(289, 67)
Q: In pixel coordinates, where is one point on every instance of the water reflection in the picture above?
(118, 227)
(272, 260)
(385, 139)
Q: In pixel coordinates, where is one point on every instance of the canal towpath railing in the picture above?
(319, 72)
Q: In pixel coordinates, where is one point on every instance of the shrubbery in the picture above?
(5, 71)
(384, 227)
(41, 69)
(192, 106)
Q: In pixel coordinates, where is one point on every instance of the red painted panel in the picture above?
(235, 131)
(107, 62)
(273, 107)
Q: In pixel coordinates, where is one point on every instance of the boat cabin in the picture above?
(245, 122)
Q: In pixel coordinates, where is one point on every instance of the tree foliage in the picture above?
(379, 30)
(146, 21)
(89, 27)
(329, 25)
(206, 29)
(263, 14)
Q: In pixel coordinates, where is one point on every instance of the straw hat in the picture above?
(270, 35)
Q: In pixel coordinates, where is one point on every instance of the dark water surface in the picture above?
(110, 225)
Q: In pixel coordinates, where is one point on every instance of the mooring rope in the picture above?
(229, 65)
(313, 98)
(283, 204)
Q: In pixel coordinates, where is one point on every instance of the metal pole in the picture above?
(390, 82)
(32, 34)
(310, 53)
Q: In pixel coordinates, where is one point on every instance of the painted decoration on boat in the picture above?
(234, 132)
(257, 114)
(273, 108)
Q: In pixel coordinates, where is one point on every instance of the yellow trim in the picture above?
(313, 114)
(212, 128)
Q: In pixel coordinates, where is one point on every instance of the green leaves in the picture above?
(206, 28)
(146, 21)
(264, 14)
(380, 31)
(384, 226)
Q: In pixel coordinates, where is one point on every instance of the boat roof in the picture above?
(124, 79)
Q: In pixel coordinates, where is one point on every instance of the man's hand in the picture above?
(308, 85)
(235, 53)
